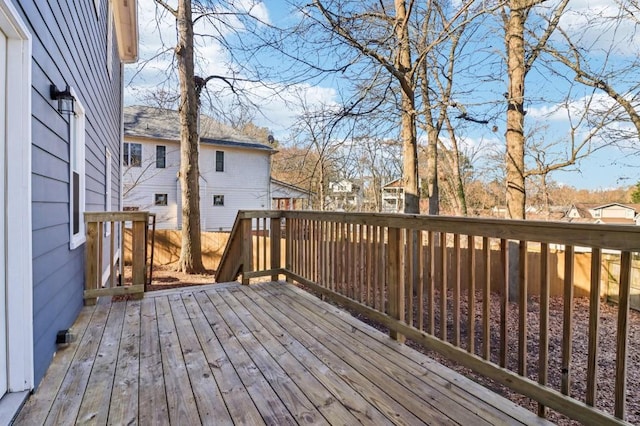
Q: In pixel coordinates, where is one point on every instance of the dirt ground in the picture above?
(166, 277)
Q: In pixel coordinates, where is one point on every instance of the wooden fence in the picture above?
(430, 279)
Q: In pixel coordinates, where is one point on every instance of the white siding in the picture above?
(244, 184)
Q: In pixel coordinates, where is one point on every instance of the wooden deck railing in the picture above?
(432, 279)
(105, 253)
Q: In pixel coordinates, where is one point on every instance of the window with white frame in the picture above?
(77, 175)
(132, 154)
(218, 200)
(219, 161)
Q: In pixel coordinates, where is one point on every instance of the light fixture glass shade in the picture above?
(66, 101)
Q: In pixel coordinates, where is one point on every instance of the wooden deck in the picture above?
(265, 354)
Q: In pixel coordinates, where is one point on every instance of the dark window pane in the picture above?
(135, 154)
(125, 154)
(218, 200)
(76, 203)
(161, 199)
(161, 155)
(219, 161)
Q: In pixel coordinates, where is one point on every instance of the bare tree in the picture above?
(519, 62)
(384, 37)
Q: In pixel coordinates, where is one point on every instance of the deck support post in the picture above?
(395, 279)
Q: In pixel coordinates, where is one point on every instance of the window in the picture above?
(132, 155)
(161, 157)
(219, 161)
(218, 200)
(160, 200)
(76, 176)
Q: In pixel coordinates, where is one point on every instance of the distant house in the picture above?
(344, 195)
(611, 213)
(59, 159)
(234, 169)
(285, 196)
(393, 197)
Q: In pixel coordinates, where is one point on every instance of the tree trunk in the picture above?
(432, 168)
(516, 196)
(191, 251)
(408, 121)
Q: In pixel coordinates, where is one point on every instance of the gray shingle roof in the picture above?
(159, 123)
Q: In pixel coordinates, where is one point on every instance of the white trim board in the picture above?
(18, 196)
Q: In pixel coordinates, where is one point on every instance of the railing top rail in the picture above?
(616, 237)
(116, 216)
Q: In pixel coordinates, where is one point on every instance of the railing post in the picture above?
(275, 247)
(288, 248)
(138, 254)
(91, 267)
(247, 249)
(395, 279)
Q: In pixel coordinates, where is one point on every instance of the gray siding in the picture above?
(69, 47)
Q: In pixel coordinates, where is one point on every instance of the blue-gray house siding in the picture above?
(69, 46)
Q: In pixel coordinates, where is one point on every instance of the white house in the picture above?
(285, 196)
(344, 195)
(611, 213)
(234, 169)
(393, 197)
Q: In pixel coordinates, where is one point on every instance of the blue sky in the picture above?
(606, 168)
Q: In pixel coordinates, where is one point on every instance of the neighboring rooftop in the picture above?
(160, 123)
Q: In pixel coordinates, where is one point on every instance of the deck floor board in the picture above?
(248, 355)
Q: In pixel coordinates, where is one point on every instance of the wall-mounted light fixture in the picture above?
(65, 99)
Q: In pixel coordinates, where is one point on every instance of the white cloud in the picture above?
(601, 25)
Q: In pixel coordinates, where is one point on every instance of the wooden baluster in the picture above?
(122, 251)
(622, 334)
(264, 244)
(504, 302)
(443, 286)
(594, 320)
(471, 296)
(257, 258)
(456, 289)
(486, 299)
(421, 277)
(567, 325)
(522, 310)
(543, 346)
(288, 246)
(369, 261)
(431, 283)
(276, 235)
(361, 261)
(100, 237)
(377, 279)
(112, 255)
(409, 238)
(395, 278)
(332, 256)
